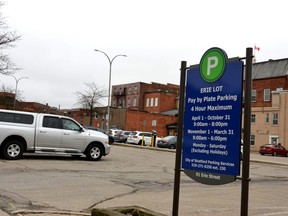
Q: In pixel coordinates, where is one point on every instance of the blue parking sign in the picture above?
(212, 115)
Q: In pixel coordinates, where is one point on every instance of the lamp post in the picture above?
(109, 91)
(16, 88)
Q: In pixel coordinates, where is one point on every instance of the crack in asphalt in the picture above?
(136, 186)
(108, 199)
(10, 202)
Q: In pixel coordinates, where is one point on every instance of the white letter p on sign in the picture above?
(212, 63)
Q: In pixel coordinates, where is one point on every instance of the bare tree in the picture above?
(7, 40)
(90, 98)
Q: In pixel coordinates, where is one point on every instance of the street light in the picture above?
(17, 80)
(109, 91)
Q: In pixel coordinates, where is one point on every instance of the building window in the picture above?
(267, 118)
(151, 102)
(123, 103)
(147, 102)
(128, 101)
(253, 96)
(252, 139)
(134, 102)
(156, 102)
(135, 89)
(266, 94)
(253, 118)
(129, 90)
(275, 118)
(274, 139)
(119, 103)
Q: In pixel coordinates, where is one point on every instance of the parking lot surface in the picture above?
(135, 175)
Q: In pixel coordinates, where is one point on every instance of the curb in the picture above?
(174, 151)
(145, 147)
(268, 162)
(35, 212)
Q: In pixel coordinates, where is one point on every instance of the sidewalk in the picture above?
(256, 157)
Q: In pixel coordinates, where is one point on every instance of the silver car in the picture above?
(121, 136)
(167, 142)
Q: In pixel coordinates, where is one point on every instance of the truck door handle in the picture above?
(42, 131)
(66, 133)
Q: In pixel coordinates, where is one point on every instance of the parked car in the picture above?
(22, 132)
(273, 149)
(113, 132)
(136, 137)
(111, 138)
(121, 136)
(167, 142)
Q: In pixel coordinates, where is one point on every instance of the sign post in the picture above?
(179, 140)
(247, 133)
(209, 123)
(212, 119)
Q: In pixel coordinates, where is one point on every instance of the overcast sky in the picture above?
(58, 40)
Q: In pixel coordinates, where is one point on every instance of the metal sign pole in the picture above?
(179, 140)
(247, 133)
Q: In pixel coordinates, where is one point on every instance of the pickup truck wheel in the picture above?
(94, 152)
(13, 150)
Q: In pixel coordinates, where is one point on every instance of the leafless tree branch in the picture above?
(90, 98)
(7, 40)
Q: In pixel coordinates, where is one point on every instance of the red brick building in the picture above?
(160, 101)
(145, 121)
(268, 76)
(131, 95)
(269, 106)
(142, 106)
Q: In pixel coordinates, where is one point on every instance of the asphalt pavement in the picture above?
(254, 157)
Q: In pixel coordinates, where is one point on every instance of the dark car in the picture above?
(167, 142)
(121, 136)
(273, 149)
(111, 138)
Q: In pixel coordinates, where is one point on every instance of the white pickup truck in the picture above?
(22, 132)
